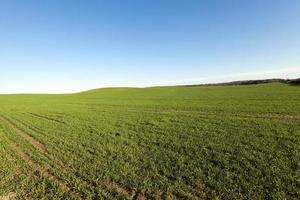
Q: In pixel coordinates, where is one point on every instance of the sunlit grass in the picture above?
(226, 142)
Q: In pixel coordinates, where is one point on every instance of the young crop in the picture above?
(202, 142)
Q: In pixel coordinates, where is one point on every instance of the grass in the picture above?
(204, 142)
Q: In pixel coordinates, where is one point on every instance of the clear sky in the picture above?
(71, 45)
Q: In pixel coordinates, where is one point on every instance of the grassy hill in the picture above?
(202, 142)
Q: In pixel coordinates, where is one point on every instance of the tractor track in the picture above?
(118, 188)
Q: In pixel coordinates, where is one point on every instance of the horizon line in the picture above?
(227, 83)
(283, 73)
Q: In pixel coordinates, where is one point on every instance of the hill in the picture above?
(201, 142)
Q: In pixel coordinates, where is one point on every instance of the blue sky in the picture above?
(71, 45)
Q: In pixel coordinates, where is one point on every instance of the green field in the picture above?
(200, 142)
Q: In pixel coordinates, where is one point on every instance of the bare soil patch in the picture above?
(123, 190)
(9, 196)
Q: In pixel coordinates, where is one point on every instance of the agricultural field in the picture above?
(183, 142)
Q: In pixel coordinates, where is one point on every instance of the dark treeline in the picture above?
(252, 82)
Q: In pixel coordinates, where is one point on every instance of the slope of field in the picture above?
(203, 142)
